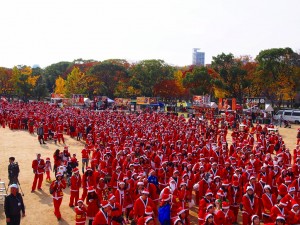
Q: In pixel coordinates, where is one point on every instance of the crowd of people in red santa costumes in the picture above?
(150, 168)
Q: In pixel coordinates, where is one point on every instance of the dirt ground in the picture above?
(39, 207)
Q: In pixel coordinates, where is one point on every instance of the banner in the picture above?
(78, 99)
(227, 104)
(122, 101)
(142, 101)
(53, 95)
(249, 103)
(201, 100)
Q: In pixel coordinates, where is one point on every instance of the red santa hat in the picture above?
(267, 187)
(208, 192)
(148, 210)
(58, 174)
(207, 215)
(111, 197)
(287, 179)
(75, 170)
(91, 189)
(89, 169)
(249, 188)
(80, 200)
(280, 217)
(176, 220)
(140, 183)
(252, 177)
(220, 192)
(180, 211)
(225, 183)
(145, 191)
(147, 219)
(294, 203)
(47, 159)
(225, 205)
(209, 206)
(66, 148)
(253, 218)
(105, 204)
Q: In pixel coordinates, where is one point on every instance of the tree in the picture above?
(110, 74)
(60, 86)
(232, 77)
(6, 82)
(198, 81)
(148, 73)
(75, 83)
(276, 75)
(51, 72)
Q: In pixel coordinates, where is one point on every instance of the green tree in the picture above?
(276, 75)
(109, 74)
(232, 77)
(148, 73)
(199, 81)
(51, 72)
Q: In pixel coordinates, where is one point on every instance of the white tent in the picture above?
(269, 108)
(110, 100)
(213, 105)
(87, 100)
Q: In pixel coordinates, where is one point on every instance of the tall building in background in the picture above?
(198, 57)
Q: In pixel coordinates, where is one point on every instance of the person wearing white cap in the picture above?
(250, 204)
(141, 203)
(280, 220)
(255, 220)
(102, 217)
(13, 205)
(294, 213)
(38, 166)
(278, 209)
(81, 212)
(56, 189)
(268, 201)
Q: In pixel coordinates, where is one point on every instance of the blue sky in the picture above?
(46, 32)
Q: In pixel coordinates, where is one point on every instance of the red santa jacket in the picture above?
(293, 217)
(268, 202)
(275, 211)
(102, 218)
(38, 166)
(140, 206)
(75, 182)
(222, 218)
(250, 205)
(80, 217)
(57, 187)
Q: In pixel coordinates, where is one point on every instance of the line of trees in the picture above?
(274, 73)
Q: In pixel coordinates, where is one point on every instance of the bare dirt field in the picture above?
(39, 207)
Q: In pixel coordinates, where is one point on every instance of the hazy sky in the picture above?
(45, 32)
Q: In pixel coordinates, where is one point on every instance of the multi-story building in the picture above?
(198, 57)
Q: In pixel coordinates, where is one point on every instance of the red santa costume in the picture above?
(38, 166)
(74, 187)
(80, 211)
(57, 194)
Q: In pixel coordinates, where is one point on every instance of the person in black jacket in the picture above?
(13, 206)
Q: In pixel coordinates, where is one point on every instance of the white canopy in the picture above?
(110, 100)
(213, 105)
(269, 108)
(87, 100)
